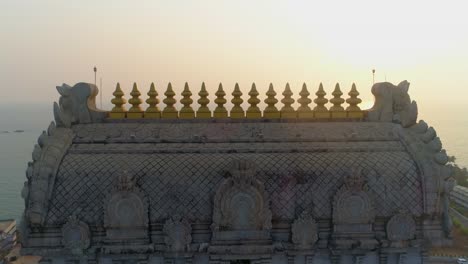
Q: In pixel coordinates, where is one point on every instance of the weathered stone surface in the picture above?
(77, 105)
(262, 191)
(393, 104)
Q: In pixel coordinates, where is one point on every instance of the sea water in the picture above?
(31, 119)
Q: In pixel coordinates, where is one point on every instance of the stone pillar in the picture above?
(58, 260)
(105, 260)
(156, 260)
(413, 256)
(383, 258)
(321, 259)
(299, 259)
(279, 259)
(201, 259)
(392, 258)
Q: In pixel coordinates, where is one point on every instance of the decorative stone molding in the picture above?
(393, 104)
(352, 204)
(177, 234)
(76, 235)
(241, 202)
(126, 210)
(47, 154)
(401, 227)
(77, 105)
(304, 231)
(426, 148)
(353, 215)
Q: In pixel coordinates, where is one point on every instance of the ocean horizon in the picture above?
(22, 124)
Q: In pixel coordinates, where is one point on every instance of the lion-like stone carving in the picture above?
(393, 104)
(241, 203)
(77, 105)
(304, 231)
(76, 235)
(126, 210)
(177, 234)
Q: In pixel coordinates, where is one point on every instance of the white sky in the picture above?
(45, 43)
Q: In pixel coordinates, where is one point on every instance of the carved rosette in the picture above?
(241, 202)
(76, 235)
(177, 234)
(304, 231)
(126, 210)
(351, 204)
(401, 227)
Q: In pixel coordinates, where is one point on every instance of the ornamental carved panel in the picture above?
(304, 231)
(177, 233)
(241, 202)
(126, 210)
(352, 204)
(76, 235)
(401, 227)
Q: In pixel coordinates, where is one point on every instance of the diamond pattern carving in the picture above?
(185, 183)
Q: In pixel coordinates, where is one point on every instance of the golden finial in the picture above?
(320, 111)
(353, 109)
(304, 110)
(220, 111)
(119, 109)
(271, 111)
(135, 111)
(253, 111)
(153, 110)
(186, 111)
(203, 111)
(337, 111)
(288, 111)
(237, 111)
(169, 111)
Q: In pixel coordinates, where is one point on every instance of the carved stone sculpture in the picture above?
(126, 210)
(352, 204)
(47, 154)
(77, 105)
(75, 235)
(304, 231)
(353, 214)
(241, 202)
(401, 227)
(393, 104)
(177, 234)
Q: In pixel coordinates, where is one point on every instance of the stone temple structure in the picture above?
(215, 186)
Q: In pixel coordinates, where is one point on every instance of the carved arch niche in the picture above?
(353, 214)
(241, 205)
(126, 210)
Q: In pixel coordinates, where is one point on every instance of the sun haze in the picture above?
(46, 43)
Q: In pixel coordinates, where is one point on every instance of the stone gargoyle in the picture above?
(393, 104)
(77, 105)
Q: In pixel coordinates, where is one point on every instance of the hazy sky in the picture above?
(45, 43)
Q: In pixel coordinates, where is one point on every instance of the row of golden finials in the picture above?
(271, 111)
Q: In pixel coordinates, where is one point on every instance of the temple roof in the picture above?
(179, 161)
